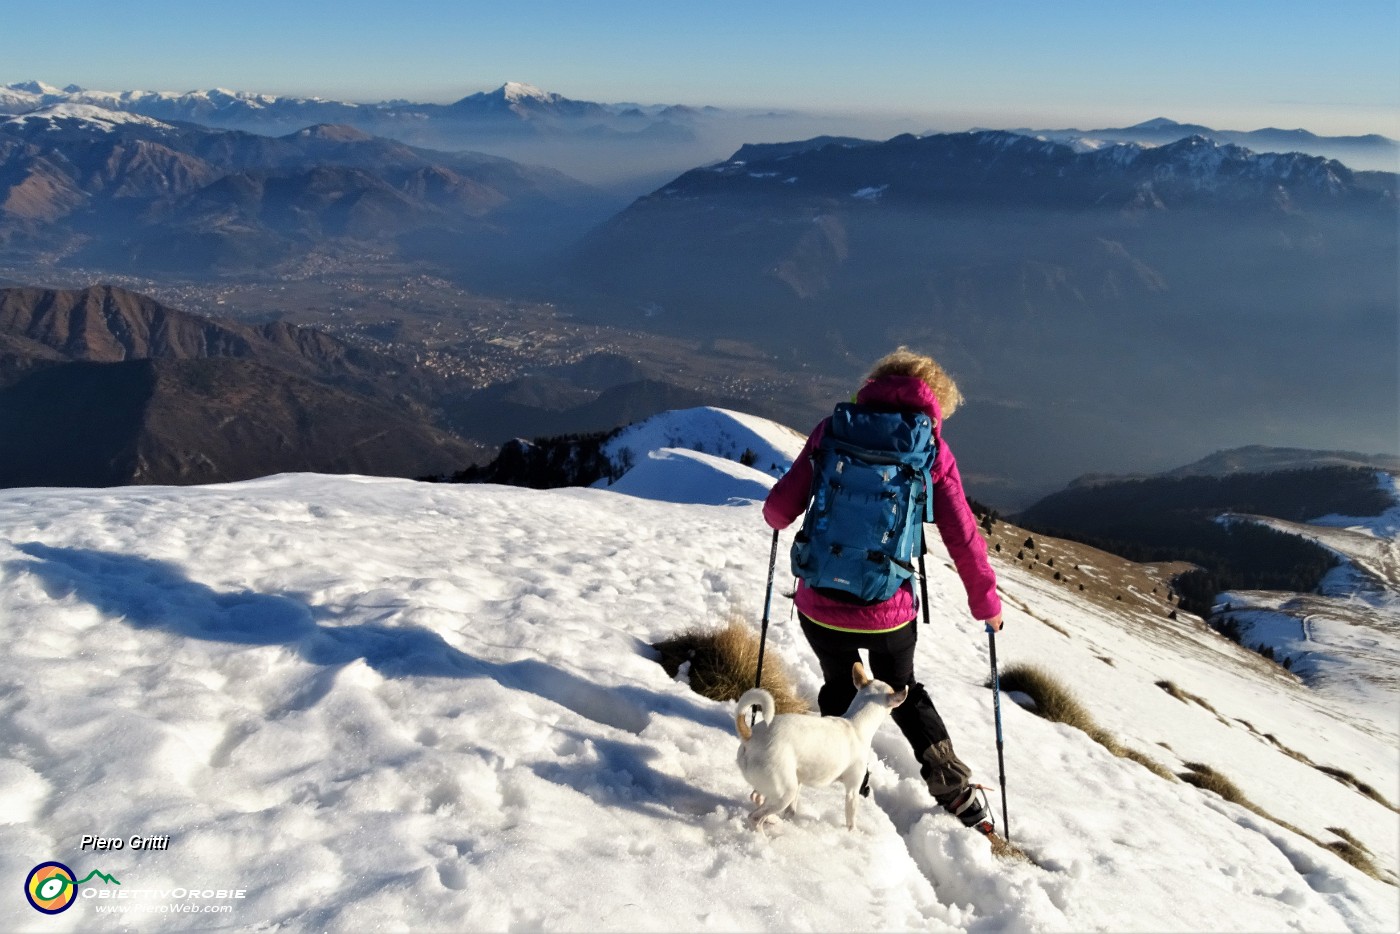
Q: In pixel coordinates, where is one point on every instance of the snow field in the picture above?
(380, 704)
(336, 720)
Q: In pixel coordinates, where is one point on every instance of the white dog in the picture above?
(783, 753)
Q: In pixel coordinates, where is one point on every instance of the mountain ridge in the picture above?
(192, 201)
(1013, 260)
(532, 101)
(179, 398)
(514, 106)
(1370, 151)
(1193, 165)
(532, 123)
(1256, 458)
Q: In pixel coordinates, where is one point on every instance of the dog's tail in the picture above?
(753, 697)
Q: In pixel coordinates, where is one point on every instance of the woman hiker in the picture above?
(836, 625)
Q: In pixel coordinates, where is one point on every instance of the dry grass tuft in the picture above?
(1196, 698)
(1153, 766)
(1053, 701)
(1187, 697)
(1203, 776)
(1172, 689)
(1356, 853)
(1341, 775)
(1346, 778)
(1346, 835)
(1108, 741)
(1357, 857)
(1292, 753)
(723, 662)
(1348, 847)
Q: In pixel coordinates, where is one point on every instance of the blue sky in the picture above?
(1234, 64)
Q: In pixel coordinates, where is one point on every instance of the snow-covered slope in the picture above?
(31, 95)
(678, 475)
(59, 116)
(1343, 640)
(377, 704)
(710, 430)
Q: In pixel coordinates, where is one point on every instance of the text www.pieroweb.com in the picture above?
(178, 908)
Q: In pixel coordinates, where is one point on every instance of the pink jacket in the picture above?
(956, 524)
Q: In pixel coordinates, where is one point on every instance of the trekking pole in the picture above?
(1001, 757)
(923, 586)
(767, 605)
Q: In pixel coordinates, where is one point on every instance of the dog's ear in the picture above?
(897, 699)
(859, 676)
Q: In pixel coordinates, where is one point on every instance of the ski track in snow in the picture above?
(380, 704)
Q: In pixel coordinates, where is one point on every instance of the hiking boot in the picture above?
(970, 806)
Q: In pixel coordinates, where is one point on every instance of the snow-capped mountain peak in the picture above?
(33, 87)
(526, 102)
(710, 430)
(87, 115)
(517, 92)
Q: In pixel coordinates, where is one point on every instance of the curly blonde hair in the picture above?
(905, 362)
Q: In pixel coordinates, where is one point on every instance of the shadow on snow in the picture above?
(148, 594)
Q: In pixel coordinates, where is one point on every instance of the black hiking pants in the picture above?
(891, 661)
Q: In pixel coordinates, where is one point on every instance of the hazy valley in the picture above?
(1108, 307)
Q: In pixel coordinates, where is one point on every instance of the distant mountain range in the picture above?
(615, 143)
(519, 107)
(581, 137)
(1123, 299)
(1106, 304)
(512, 108)
(116, 190)
(1371, 151)
(1258, 459)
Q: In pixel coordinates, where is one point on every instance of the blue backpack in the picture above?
(870, 498)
